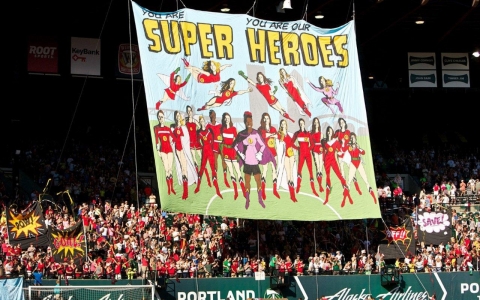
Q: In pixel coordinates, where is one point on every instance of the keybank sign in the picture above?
(216, 295)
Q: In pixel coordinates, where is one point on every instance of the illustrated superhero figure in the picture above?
(356, 165)
(253, 151)
(326, 87)
(210, 71)
(331, 147)
(294, 91)
(286, 159)
(269, 135)
(163, 141)
(206, 139)
(224, 96)
(263, 86)
(185, 168)
(305, 146)
(342, 135)
(229, 134)
(174, 83)
(317, 150)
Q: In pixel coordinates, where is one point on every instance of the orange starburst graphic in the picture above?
(397, 234)
(68, 244)
(24, 225)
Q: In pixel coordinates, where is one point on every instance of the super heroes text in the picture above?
(275, 43)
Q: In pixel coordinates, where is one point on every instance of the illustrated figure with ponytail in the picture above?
(225, 95)
(263, 86)
(164, 141)
(269, 136)
(326, 87)
(343, 135)
(195, 147)
(331, 147)
(205, 137)
(317, 150)
(216, 128)
(229, 134)
(294, 91)
(356, 165)
(174, 83)
(305, 146)
(286, 159)
(208, 73)
(186, 172)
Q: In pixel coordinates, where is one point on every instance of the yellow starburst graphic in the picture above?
(396, 235)
(24, 225)
(68, 244)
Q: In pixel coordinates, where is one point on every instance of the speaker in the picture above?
(287, 4)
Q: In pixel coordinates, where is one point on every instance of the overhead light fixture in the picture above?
(370, 77)
(476, 54)
(287, 4)
(475, 3)
(419, 21)
(319, 15)
(225, 8)
(424, 2)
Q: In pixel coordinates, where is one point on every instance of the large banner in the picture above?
(398, 241)
(69, 244)
(256, 119)
(27, 227)
(434, 227)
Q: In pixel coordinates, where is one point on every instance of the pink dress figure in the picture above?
(326, 87)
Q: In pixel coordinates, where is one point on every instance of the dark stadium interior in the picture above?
(386, 32)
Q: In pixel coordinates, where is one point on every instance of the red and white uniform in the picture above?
(294, 93)
(229, 135)
(264, 89)
(163, 138)
(330, 160)
(177, 134)
(225, 96)
(317, 142)
(192, 132)
(289, 145)
(355, 154)
(174, 87)
(216, 130)
(270, 141)
(343, 137)
(305, 146)
(203, 78)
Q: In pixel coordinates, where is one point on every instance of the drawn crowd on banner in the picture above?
(231, 130)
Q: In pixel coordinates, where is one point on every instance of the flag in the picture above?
(27, 227)
(397, 241)
(69, 243)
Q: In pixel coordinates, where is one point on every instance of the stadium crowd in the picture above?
(130, 238)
